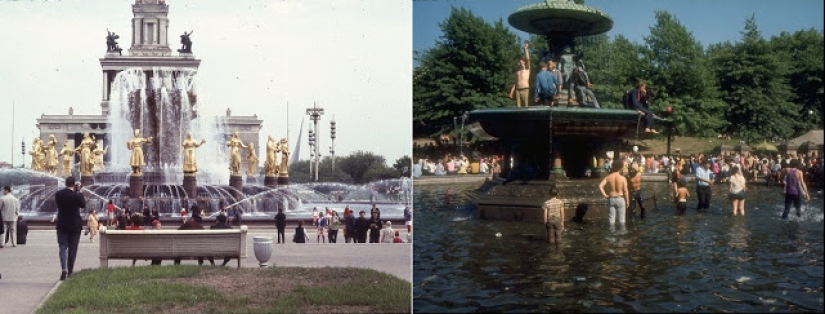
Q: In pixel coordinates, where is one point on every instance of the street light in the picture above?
(315, 114)
(311, 150)
(332, 136)
(461, 139)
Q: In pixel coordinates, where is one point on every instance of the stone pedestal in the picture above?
(557, 172)
(87, 179)
(236, 181)
(283, 180)
(271, 181)
(190, 185)
(135, 186)
(251, 180)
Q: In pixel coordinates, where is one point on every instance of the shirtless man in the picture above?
(521, 89)
(618, 198)
(680, 196)
(636, 190)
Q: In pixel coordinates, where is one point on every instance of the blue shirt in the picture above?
(702, 173)
(545, 82)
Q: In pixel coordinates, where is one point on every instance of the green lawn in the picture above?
(202, 289)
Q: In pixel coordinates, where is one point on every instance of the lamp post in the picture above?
(311, 150)
(315, 114)
(332, 136)
(461, 139)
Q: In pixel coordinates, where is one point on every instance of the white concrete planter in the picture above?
(262, 245)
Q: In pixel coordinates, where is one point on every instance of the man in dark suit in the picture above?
(362, 225)
(69, 224)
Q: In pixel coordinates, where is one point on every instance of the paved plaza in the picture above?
(30, 271)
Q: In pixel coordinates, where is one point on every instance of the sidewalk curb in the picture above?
(48, 295)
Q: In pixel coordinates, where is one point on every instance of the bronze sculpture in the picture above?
(136, 161)
(68, 155)
(252, 161)
(189, 145)
(235, 144)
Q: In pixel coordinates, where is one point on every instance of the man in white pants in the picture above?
(10, 207)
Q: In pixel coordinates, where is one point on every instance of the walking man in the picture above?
(617, 196)
(69, 224)
(10, 209)
(521, 89)
(703, 182)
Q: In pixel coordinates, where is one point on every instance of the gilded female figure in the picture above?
(271, 164)
(284, 164)
(37, 154)
(85, 149)
(68, 156)
(51, 155)
(252, 161)
(136, 161)
(97, 156)
(235, 144)
(189, 145)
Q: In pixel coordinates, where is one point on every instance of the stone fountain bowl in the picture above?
(559, 16)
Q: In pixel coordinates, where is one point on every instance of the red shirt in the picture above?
(397, 240)
(134, 228)
(110, 208)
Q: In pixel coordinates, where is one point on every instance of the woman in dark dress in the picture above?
(300, 236)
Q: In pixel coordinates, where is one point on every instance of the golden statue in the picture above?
(189, 145)
(235, 144)
(97, 157)
(284, 165)
(251, 161)
(85, 149)
(136, 146)
(271, 164)
(68, 157)
(51, 155)
(37, 154)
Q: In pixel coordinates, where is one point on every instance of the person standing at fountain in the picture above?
(408, 220)
(680, 195)
(617, 196)
(92, 223)
(189, 163)
(584, 91)
(334, 225)
(521, 89)
(320, 226)
(545, 86)
(362, 225)
(235, 144)
(110, 213)
(794, 189)
(387, 233)
(68, 155)
(136, 161)
(375, 227)
(300, 236)
(10, 207)
(703, 183)
(350, 234)
(553, 216)
(69, 224)
(636, 191)
(737, 191)
(280, 223)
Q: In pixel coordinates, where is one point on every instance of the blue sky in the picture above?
(709, 21)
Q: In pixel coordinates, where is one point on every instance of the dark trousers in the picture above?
(333, 236)
(349, 235)
(200, 260)
(704, 194)
(636, 197)
(797, 203)
(375, 235)
(67, 242)
(648, 117)
(362, 237)
(281, 235)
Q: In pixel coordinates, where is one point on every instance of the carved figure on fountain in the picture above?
(136, 161)
(50, 155)
(111, 42)
(37, 154)
(251, 161)
(186, 43)
(68, 156)
(97, 154)
(272, 153)
(85, 149)
(284, 162)
(235, 144)
(189, 162)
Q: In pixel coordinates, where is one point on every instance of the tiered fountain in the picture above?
(552, 145)
(152, 91)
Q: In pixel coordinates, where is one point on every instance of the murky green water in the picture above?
(697, 262)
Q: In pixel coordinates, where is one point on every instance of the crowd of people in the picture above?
(457, 164)
(327, 224)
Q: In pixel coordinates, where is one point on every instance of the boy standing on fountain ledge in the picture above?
(553, 216)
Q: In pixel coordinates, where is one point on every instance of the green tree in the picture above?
(358, 164)
(755, 89)
(299, 172)
(403, 166)
(676, 69)
(469, 68)
(801, 53)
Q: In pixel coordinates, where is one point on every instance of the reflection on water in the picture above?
(695, 262)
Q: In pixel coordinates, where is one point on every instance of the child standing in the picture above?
(553, 216)
(680, 197)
